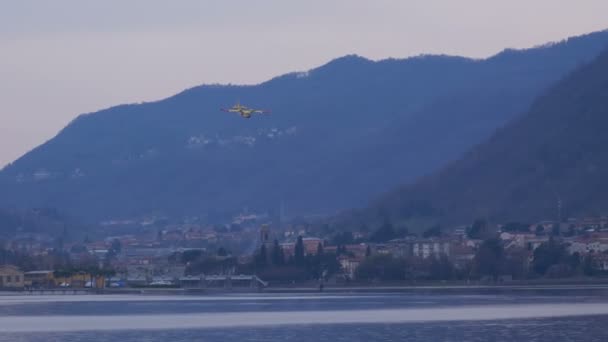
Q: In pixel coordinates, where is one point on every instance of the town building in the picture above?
(431, 248)
(10, 277)
(39, 279)
(461, 255)
(349, 265)
(594, 242)
(311, 244)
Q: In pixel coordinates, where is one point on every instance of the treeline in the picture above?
(491, 262)
(274, 266)
(550, 259)
(27, 262)
(389, 268)
(92, 270)
(269, 262)
(201, 261)
(53, 260)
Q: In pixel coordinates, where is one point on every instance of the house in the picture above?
(349, 265)
(39, 279)
(520, 240)
(601, 262)
(462, 255)
(400, 248)
(10, 277)
(82, 279)
(596, 242)
(100, 254)
(427, 248)
(288, 249)
(359, 250)
(311, 244)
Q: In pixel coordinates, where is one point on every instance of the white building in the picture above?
(428, 248)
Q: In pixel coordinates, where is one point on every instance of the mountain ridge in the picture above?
(545, 165)
(338, 135)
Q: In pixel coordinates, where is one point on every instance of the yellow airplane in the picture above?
(243, 111)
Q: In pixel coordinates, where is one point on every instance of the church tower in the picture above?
(264, 234)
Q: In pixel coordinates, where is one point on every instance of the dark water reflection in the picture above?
(570, 329)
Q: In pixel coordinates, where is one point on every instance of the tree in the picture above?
(299, 252)
(212, 265)
(281, 256)
(515, 227)
(479, 230)
(516, 263)
(588, 265)
(325, 229)
(548, 254)
(320, 250)
(555, 230)
(81, 249)
(338, 250)
(222, 252)
(59, 243)
(64, 234)
(385, 233)
(489, 258)
(571, 231)
(434, 231)
(277, 254)
(262, 257)
(344, 238)
(314, 264)
(441, 268)
(574, 260)
(110, 255)
(116, 246)
(540, 230)
(191, 256)
(382, 267)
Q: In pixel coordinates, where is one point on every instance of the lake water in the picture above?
(506, 315)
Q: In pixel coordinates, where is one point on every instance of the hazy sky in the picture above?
(61, 58)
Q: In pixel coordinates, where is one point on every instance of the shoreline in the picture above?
(354, 288)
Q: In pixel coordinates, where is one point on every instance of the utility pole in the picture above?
(559, 205)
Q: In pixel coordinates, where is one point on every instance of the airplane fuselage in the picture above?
(246, 113)
(243, 111)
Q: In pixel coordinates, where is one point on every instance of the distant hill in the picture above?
(41, 220)
(338, 135)
(557, 151)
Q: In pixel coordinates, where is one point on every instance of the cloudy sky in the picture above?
(61, 58)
